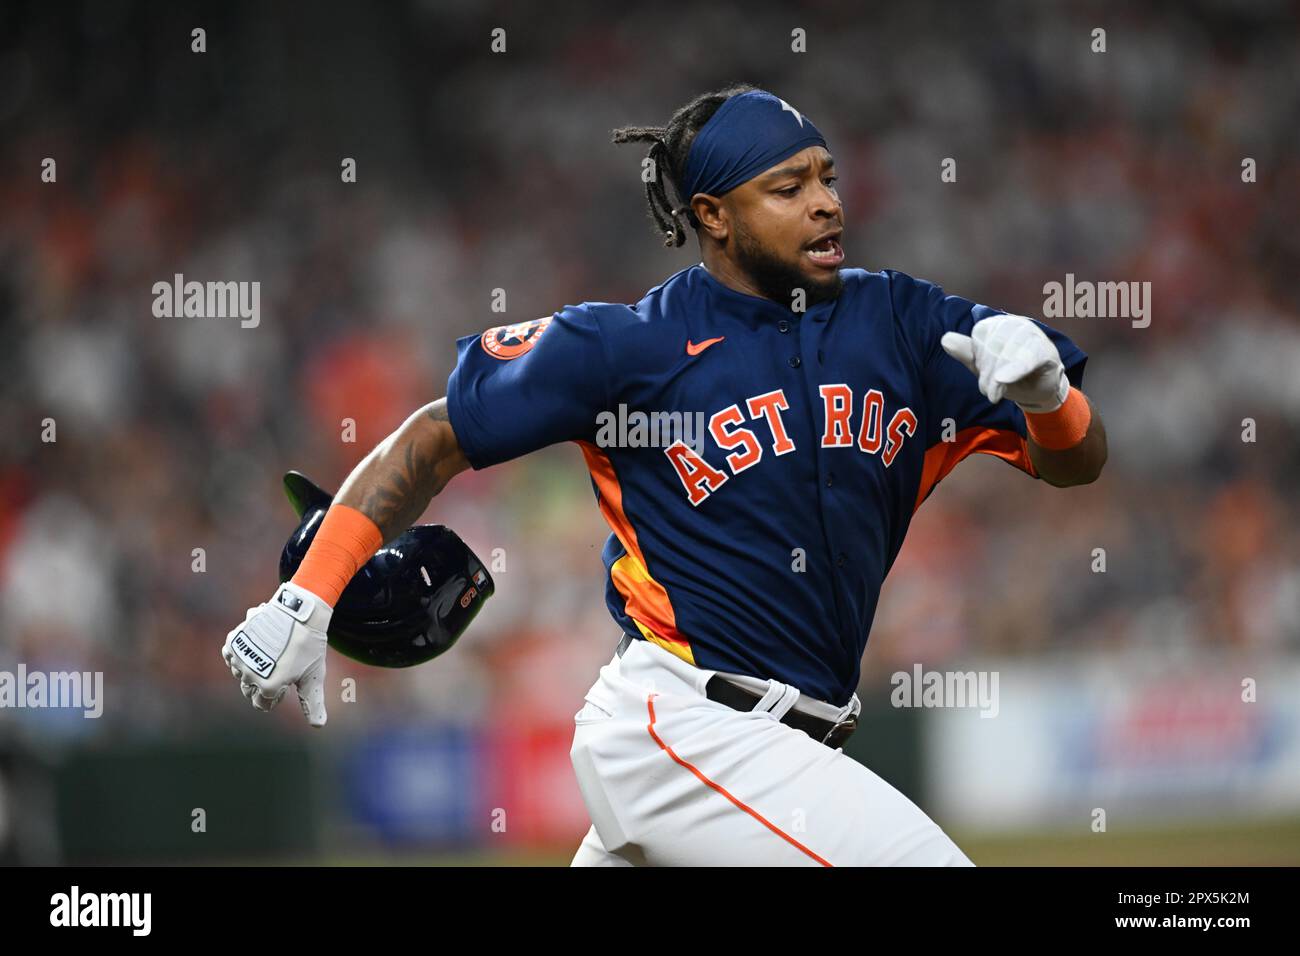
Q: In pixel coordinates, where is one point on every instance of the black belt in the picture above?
(829, 732)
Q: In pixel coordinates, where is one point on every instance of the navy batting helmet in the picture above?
(407, 604)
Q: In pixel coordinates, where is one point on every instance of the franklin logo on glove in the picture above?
(255, 657)
(282, 643)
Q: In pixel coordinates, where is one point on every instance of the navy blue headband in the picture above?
(749, 133)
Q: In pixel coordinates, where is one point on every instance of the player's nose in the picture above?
(825, 204)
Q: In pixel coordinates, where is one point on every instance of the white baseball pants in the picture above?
(671, 778)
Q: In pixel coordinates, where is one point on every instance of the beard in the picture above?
(778, 280)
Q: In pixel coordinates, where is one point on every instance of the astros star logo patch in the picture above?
(511, 341)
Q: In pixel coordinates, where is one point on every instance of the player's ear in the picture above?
(712, 217)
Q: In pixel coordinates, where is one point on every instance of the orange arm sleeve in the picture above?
(345, 540)
(1063, 428)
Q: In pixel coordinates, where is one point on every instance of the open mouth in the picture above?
(827, 253)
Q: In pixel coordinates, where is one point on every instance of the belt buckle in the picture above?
(848, 725)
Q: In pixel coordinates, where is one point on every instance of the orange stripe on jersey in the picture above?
(943, 456)
(645, 600)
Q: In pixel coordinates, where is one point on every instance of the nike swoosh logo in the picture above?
(693, 349)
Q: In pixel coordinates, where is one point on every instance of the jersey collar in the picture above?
(753, 304)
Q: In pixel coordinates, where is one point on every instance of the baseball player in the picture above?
(744, 565)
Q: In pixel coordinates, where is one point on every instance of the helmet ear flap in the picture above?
(304, 494)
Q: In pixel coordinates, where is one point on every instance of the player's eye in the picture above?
(788, 191)
(830, 180)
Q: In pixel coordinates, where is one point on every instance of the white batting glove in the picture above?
(282, 642)
(1012, 358)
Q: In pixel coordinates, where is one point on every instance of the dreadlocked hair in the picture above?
(669, 148)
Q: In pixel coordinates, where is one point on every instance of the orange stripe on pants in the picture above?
(650, 705)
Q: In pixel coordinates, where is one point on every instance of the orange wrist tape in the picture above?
(1063, 428)
(345, 540)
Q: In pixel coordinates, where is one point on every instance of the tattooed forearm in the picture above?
(403, 489)
(395, 483)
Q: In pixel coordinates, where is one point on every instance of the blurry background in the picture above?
(1119, 690)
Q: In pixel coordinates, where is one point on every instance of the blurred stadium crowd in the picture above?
(479, 171)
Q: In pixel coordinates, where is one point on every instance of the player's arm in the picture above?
(1014, 359)
(504, 399)
(382, 497)
(281, 643)
(395, 482)
(1077, 464)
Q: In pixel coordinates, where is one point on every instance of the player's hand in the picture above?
(282, 642)
(1012, 358)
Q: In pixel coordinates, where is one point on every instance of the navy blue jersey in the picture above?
(758, 543)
